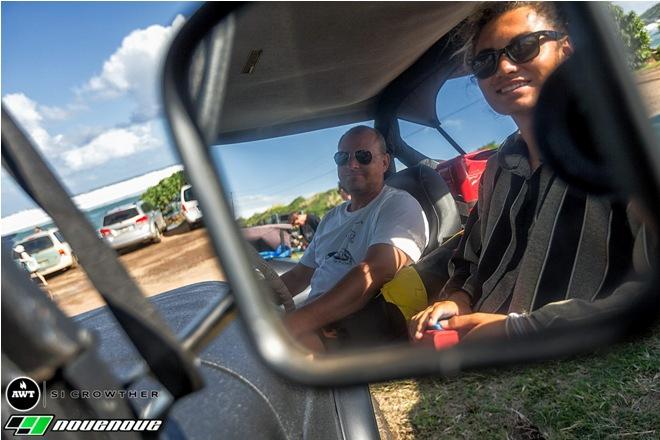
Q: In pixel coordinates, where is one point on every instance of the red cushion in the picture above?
(462, 174)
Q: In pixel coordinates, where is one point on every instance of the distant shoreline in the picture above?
(23, 220)
(95, 216)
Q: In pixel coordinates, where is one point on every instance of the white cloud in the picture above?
(639, 7)
(133, 69)
(54, 113)
(114, 143)
(30, 115)
(131, 72)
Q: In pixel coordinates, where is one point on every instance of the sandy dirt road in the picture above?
(649, 87)
(178, 260)
(187, 257)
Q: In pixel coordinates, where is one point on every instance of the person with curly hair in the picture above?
(536, 252)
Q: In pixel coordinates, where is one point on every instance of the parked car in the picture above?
(50, 250)
(233, 378)
(173, 213)
(132, 224)
(190, 207)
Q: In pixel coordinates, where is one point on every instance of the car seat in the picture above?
(432, 193)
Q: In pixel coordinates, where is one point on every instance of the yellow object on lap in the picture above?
(406, 291)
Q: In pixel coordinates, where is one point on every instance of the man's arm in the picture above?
(298, 278)
(351, 293)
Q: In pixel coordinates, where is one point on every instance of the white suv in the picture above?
(50, 251)
(190, 207)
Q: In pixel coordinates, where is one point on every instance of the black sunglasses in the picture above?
(362, 156)
(522, 49)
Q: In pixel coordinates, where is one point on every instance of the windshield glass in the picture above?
(465, 116)
(118, 217)
(188, 195)
(37, 244)
(271, 178)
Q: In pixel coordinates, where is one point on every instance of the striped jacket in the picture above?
(532, 240)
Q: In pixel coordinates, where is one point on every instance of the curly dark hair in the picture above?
(471, 28)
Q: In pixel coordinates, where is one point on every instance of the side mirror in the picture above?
(602, 157)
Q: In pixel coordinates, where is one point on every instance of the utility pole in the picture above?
(231, 199)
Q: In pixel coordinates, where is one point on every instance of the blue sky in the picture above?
(83, 80)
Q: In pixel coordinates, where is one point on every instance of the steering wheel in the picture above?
(273, 280)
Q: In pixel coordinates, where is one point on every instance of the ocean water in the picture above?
(654, 31)
(95, 216)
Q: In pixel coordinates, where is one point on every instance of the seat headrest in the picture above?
(432, 193)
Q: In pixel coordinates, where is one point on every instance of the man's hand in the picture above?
(308, 339)
(297, 279)
(476, 325)
(457, 304)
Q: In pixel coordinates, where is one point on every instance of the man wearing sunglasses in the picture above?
(535, 252)
(358, 247)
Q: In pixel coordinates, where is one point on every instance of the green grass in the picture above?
(610, 394)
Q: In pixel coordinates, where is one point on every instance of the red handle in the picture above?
(439, 339)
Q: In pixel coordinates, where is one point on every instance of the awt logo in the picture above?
(22, 394)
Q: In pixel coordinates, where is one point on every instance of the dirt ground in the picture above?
(178, 260)
(649, 87)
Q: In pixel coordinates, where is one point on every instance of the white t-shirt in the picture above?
(342, 238)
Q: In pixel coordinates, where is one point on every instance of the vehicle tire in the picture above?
(157, 237)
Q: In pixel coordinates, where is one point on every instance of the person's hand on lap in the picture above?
(456, 304)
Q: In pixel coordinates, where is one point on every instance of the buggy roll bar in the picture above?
(173, 366)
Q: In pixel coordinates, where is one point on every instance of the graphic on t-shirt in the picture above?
(352, 234)
(343, 256)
